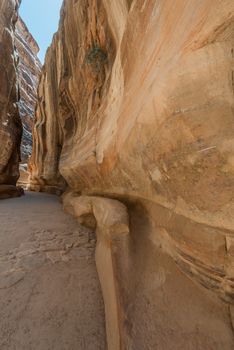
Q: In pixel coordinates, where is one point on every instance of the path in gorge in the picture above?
(50, 297)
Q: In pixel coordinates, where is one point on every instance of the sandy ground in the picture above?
(50, 297)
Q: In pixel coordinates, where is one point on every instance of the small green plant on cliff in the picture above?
(96, 57)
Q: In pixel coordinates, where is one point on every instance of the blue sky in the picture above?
(41, 18)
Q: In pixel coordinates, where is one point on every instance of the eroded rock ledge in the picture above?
(136, 104)
(110, 220)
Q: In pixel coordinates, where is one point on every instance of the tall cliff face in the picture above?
(10, 123)
(76, 77)
(136, 103)
(29, 70)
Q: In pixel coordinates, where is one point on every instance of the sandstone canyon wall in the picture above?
(19, 75)
(10, 123)
(29, 69)
(136, 105)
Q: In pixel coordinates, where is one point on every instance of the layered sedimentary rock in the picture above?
(136, 103)
(10, 123)
(29, 69)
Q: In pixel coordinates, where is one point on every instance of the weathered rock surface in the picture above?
(10, 191)
(10, 123)
(136, 103)
(19, 74)
(149, 303)
(29, 69)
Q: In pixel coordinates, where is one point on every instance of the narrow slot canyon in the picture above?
(117, 177)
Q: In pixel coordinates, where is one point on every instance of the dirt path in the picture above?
(50, 296)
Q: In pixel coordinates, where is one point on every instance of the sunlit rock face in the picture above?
(75, 80)
(29, 69)
(10, 123)
(136, 103)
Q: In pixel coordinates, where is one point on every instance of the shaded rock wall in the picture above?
(136, 103)
(10, 123)
(29, 69)
(149, 303)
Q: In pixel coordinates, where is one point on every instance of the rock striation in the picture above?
(136, 105)
(10, 123)
(19, 74)
(29, 69)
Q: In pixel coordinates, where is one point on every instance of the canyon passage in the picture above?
(50, 295)
(123, 143)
